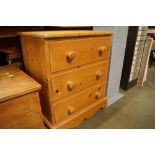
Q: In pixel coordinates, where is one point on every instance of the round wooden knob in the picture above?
(70, 56)
(98, 75)
(102, 50)
(71, 110)
(97, 94)
(70, 85)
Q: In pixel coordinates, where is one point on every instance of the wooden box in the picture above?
(19, 100)
(72, 67)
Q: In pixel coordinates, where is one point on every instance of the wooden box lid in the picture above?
(60, 34)
(14, 83)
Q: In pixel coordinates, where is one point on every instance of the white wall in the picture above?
(117, 58)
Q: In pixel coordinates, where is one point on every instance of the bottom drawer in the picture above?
(71, 106)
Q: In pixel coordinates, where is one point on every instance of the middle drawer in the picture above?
(72, 81)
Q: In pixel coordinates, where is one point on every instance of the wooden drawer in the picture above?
(70, 53)
(72, 81)
(71, 106)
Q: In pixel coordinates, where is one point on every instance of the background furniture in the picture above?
(145, 61)
(10, 48)
(133, 56)
(19, 100)
(72, 67)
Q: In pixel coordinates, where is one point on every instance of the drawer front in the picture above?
(70, 82)
(71, 106)
(66, 54)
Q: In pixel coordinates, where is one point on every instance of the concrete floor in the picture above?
(135, 110)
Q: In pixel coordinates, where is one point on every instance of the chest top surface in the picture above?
(14, 83)
(64, 34)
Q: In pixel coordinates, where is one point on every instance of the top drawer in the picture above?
(70, 53)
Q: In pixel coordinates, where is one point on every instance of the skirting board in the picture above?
(114, 99)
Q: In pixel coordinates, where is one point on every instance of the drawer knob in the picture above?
(101, 50)
(70, 85)
(70, 56)
(97, 95)
(71, 110)
(98, 75)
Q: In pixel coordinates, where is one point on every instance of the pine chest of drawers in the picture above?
(72, 67)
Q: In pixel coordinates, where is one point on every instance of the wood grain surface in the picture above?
(71, 106)
(21, 112)
(57, 34)
(80, 78)
(85, 51)
(14, 83)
